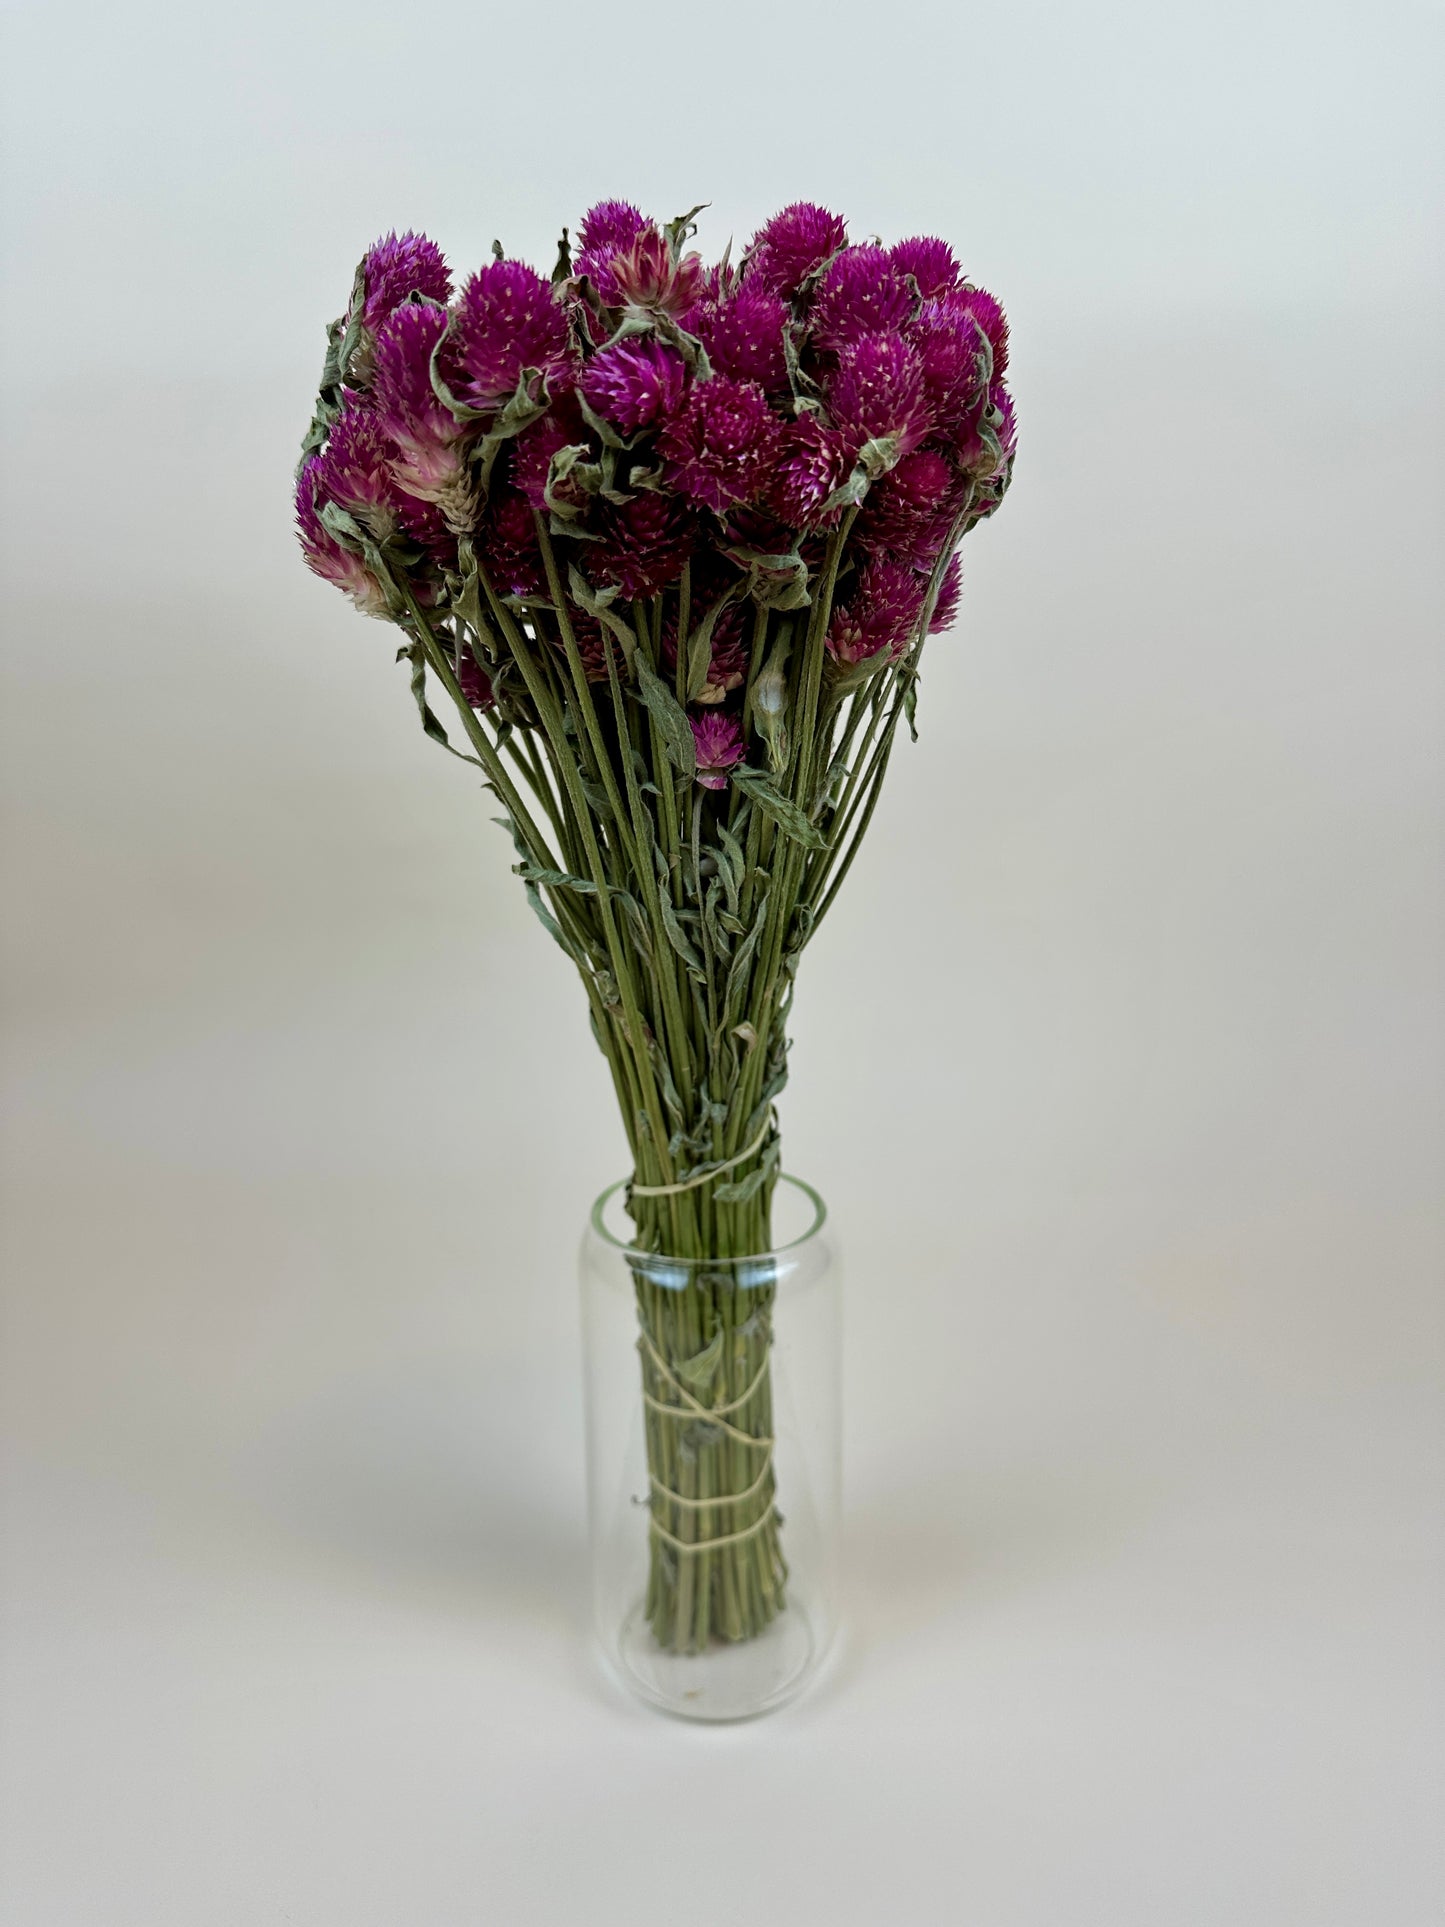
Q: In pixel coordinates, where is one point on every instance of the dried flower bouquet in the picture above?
(669, 538)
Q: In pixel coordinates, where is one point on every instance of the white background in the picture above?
(1120, 1058)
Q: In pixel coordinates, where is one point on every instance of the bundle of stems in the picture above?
(685, 911)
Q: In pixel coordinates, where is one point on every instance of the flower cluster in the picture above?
(662, 431)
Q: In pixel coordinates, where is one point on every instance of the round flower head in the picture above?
(909, 512)
(743, 336)
(862, 293)
(644, 544)
(930, 262)
(793, 245)
(508, 543)
(815, 461)
(424, 524)
(952, 353)
(398, 266)
(327, 557)
(880, 613)
(506, 321)
(606, 230)
(635, 383)
(982, 308)
(474, 682)
(945, 610)
(724, 445)
(719, 743)
(728, 665)
(592, 645)
(644, 275)
(878, 391)
(354, 471)
(429, 446)
(532, 451)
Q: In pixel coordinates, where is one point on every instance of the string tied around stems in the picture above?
(709, 1172)
(693, 1408)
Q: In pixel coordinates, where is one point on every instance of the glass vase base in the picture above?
(726, 1681)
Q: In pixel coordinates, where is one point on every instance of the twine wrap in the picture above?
(692, 1408)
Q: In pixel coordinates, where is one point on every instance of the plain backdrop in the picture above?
(1120, 1059)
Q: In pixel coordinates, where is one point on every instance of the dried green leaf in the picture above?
(670, 716)
(763, 791)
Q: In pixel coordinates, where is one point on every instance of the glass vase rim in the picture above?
(820, 1218)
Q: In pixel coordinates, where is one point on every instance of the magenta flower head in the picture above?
(878, 391)
(880, 614)
(945, 610)
(793, 245)
(951, 350)
(862, 293)
(398, 266)
(815, 461)
(635, 383)
(645, 275)
(728, 666)
(607, 229)
(719, 743)
(743, 336)
(985, 310)
(327, 557)
(474, 682)
(724, 445)
(930, 262)
(507, 320)
(561, 427)
(644, 544)
(508, 544)
(593, 644)
(429, 446)
(354, 471)
(909, 512)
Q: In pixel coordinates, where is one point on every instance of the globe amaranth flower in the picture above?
(506, 320)
(646, 275)
(878, 615)
(945, 610)
(326, 556)
(592, 645)
(606, 229)
(814, 462)
(354, 471)
(532, 451)
(743, 336)
(986, 311)
(429, 446)
(474, 682)
(644, 544)
(951, 353)
(724, 445)
(728, 663)
(397, 266)
(719, 743)
(793, 245)
(877, 391)
(930, 261)
(861, 293)
(392, 270)
(908, 513)
(635, 383)
(507, 543)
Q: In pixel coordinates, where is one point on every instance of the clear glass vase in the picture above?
(713, 1392)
